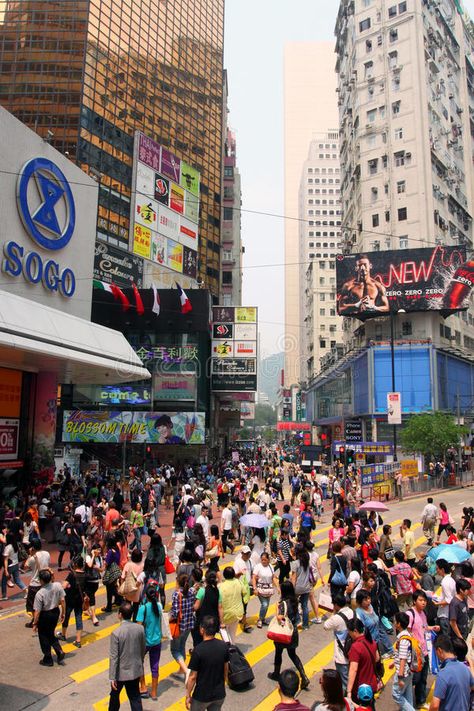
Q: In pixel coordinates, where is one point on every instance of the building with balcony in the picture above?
(232, 248)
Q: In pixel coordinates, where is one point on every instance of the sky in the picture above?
(255, 35)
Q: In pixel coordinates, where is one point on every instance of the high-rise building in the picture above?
(319, 241)
(310, 105)
(87, 74)
(406, 100)
(232, 249)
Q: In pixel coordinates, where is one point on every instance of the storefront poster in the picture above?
(177, 198)
(189, 262)
(245, 314)
(45, 419)
(146, 212)
(191, 206)
(10, 392)
(115, 265)
(113, 427)
(141, 241)
(162, 189)
(174, 256)
(170, 165)
(247, 410)
(189, 178)
(394, 409)
(174, 387)
(149, 152)
(428, 279)
(9, 430)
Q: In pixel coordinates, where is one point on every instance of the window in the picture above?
(322, 343)
(364, 25)
(228, 213)
(384, 161)
(392, 11)
(402, 7)
(398, 133)
(322, 296)
(393, 35)
(399, 158)
(402, 214)
(395, 108)
(401, 185)
(379, 40)
(404, 242)
(387, 215)
(368, 46)
(228, 171)
(322, 281)
(373, 166)
(375, 220)
(227, 277)
(374, 194)
(392, 60)
(322, 312)
(371, 115)
(382, 111)
(368, 70)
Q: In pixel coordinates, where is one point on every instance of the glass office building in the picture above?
(86, 74)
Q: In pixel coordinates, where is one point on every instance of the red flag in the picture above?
(118, 294)
(138, 300)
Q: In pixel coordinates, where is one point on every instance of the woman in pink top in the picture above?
(335, 533)
(444, 520)
(134, 568)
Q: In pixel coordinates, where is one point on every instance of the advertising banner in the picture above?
(222, 330)
(235, 365)
(10, 392)
(365, 447)
(189, 262)
(223, 349)
(146, 212)
(174, 386)
(158, 248)
(115, 265)
(428, 279)
(170, 165)
(223, 314)
(177, 198)
(353, 431)
(162, 189)
(168, 223)
(109, 426)
(149, 152)
(247, 410)
(142, 241)
(145, 180)
(188, 233)
(189, 178)
(174, 256)
(233, 382)
(245, 314)
(246, 349)
(9, 430)
(191, 206)
(394, 408)
(245, 332)
(409, 467)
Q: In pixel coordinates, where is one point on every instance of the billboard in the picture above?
(9, 431)
(234, 365)
(428, 279)
(234, 349)
(394, 409)
(163, 228)
(113, 427)
(174, 387)
(115, 265)
(233, 382)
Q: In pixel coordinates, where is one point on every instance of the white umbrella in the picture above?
(254, 520)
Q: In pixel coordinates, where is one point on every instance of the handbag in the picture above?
(281, 632)
(22, 554)
(265, 589)
(129, 585)
(111, 574)
(165, 626)
(338, 578)
(175, 624)
(86, 603)
(169, 567)
(389, 553)
(325, 600)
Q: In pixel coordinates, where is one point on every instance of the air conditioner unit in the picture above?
(408, 155)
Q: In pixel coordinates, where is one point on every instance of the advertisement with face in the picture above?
(429, 279)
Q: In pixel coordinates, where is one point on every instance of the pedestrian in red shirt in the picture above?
(288, 686)
(363, 658)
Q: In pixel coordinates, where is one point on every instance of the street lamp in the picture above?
(393, 313)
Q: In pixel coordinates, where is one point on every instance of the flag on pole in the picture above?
(114, 290)
(156, 301)
(185, 302)
(138, 300)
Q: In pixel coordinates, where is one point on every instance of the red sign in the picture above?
(9, 438)
(293, 426)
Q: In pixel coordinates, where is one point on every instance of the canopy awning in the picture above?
(37, 338)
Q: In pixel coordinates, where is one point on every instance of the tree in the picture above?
(431, 434)
(265, 415)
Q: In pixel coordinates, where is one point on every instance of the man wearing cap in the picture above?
(243, 567)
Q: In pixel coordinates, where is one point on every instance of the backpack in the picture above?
(346, 645)
(338, 578)
(417, 658)
(240, 672)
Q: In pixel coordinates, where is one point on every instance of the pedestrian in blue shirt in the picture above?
(454, 681)
(150, 616)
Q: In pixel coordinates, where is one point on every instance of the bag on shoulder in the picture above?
(417, 658)
(281, 632)
(240, 672)
(111, 574)
(175, 624)
(346, 644)
(338, 578)
(129, 586)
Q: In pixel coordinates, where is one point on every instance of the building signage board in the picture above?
(247, 410)
(222, 330)
(10, 392)
(394, 408)
(428, 279)
(168, 355)
(365, 447)
(223, 349)
(163, 230)
(122, 394)
(9, 431)
(245, 332)
(246, 349)
(245, 314)
(238, 354)
(409, 467)
(114, 427)
(234, 365)
(233, 382)
(115, 265)
(181, 386)
(223, 314)
(294, 426)
(353, 431)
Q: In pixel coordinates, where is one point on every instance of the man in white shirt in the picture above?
(226, 528)
(448, 591)
(84, 511)
(204, 521)
(338, 624)
(429, 516)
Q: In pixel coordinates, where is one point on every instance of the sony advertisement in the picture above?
(429, 279)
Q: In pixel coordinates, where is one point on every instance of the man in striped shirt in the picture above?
(402, 690)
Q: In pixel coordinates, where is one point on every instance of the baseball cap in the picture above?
(365, 693)
(245, 549)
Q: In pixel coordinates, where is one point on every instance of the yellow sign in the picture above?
(174, 256)
(246, 314)
(141, 241)
(409, 467)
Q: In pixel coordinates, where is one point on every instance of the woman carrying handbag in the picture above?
(287, 612)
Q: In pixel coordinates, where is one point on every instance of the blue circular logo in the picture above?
(46, 208)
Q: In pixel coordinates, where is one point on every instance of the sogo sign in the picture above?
(50, 224)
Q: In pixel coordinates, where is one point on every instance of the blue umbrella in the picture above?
(451, 553)
(255, 520)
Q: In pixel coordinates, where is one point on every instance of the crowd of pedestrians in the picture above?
(383, 598)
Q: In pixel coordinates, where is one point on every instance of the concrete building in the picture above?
(232, 249)
(87, 74)
(319, 242)
(406, 101)
(310, 105)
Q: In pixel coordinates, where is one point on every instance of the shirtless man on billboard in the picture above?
(362, 294)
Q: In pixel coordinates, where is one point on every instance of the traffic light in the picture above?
(341, 449)
(148, 449)
(323, 437)
(350, 456)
